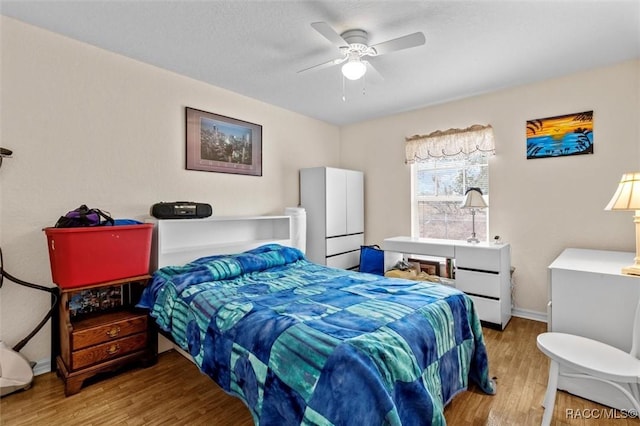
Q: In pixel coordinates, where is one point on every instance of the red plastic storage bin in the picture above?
(84, 256)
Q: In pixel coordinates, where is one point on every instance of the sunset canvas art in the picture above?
(562, 135)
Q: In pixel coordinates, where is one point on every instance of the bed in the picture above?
(301, 343)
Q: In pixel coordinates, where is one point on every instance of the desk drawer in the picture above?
(488, 309)
(420, 246)
(478, 257)
(109, 350)
(480, 283)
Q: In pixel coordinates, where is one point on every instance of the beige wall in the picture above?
(89, 126)
(539, 206)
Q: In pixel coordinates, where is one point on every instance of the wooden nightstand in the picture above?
(104, 340)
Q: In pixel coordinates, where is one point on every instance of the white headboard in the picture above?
(179, 241)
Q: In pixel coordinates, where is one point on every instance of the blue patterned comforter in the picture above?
(301, 343)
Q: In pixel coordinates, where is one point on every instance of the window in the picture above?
(444, 165)
(439, 185)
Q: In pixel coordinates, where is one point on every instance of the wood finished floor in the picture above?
(173, 392)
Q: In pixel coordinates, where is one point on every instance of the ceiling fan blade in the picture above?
(324, 65)
(405, 42)
(329, 33)
(372, 74)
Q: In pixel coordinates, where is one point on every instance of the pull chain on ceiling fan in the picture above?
(354, 46)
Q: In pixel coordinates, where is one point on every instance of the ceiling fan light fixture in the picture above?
(354, 69)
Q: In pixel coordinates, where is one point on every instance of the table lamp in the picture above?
(473, 200)
(627, 197)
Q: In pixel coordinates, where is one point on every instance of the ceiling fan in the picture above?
(353, 45)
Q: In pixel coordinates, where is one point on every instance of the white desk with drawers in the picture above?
(590, 297)
(482, 270)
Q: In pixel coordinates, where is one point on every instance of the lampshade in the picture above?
(473, 199)
(627, 196)
(354, 69)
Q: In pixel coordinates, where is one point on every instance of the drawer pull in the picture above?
(113, 332)
(113, 349)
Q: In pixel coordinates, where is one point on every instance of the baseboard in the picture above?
(528, 314)
(43, 366)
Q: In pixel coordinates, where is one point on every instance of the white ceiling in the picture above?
(255, 48)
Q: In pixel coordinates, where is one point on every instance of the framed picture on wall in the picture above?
(559, 136)
(216, 143)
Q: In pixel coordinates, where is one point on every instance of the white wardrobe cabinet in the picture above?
(334, 202)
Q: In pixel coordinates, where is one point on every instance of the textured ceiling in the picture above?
(255, 48)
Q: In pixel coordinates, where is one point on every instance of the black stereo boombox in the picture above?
(181, 210)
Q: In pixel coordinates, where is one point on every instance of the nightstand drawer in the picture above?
(106, 328)
(480, 283)
(109, 350)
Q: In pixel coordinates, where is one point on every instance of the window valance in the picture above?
(448, 143)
